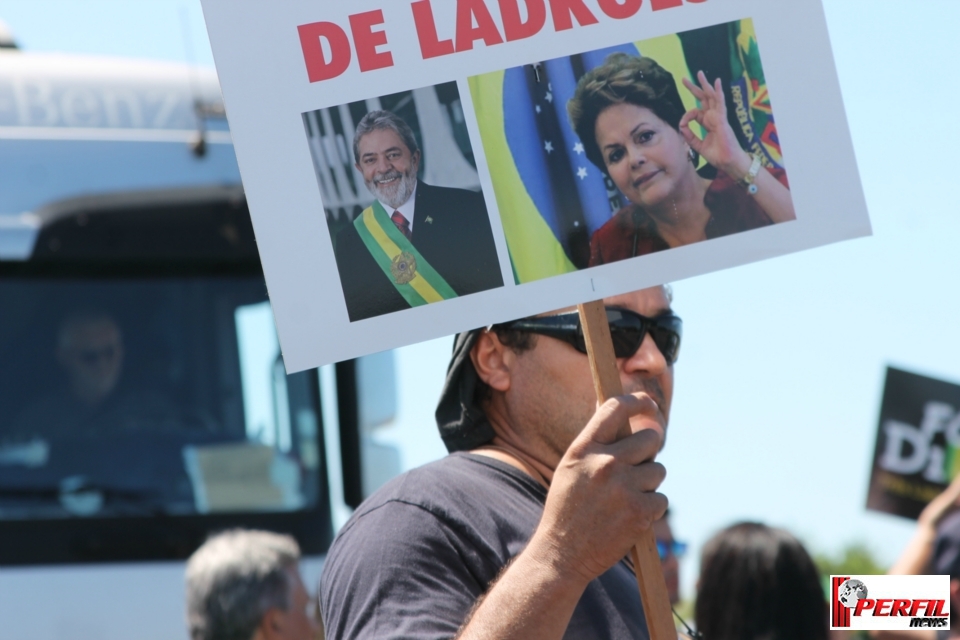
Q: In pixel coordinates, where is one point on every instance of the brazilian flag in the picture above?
(551, 198)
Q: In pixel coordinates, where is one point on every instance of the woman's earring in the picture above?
(694, 156)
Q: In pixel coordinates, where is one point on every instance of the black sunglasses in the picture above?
(628, 329)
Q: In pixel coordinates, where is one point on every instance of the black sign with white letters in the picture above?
(918, 443)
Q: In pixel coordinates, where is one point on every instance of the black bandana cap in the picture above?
(463, 425)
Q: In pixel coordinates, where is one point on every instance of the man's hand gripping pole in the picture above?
(646, 560)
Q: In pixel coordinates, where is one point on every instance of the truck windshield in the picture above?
(147, 397)
(141, 396)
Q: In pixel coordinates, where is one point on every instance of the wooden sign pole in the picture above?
(646, 560)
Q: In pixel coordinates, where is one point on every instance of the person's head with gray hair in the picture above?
(384, 120)
(387, 154)
(245, 585)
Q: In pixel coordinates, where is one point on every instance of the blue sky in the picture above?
(779, 382)
(153, 29)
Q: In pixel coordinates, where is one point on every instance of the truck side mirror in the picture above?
(367, 400)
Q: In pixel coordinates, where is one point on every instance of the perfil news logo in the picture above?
(888, 603)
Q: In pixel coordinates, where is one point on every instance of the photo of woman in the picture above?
(631, 150)
(629, 115)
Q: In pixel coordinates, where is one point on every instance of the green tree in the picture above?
(856, 558)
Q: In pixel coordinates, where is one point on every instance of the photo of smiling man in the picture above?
(415, 243)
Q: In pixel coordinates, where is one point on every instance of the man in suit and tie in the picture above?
(416, 243)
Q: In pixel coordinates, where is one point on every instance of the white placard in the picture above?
(514, 213)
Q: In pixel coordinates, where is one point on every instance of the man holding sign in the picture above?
(521, 532)
(416, 243)
(544, 494)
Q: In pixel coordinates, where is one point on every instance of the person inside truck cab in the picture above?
(92, 400)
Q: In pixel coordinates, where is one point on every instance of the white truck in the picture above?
(143, 401)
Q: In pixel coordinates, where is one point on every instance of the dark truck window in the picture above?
(149, 390)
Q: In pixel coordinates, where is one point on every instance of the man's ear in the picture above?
(271, 626)
(357, 165)
(493, 361)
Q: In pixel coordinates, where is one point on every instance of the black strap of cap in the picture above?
(462, 424)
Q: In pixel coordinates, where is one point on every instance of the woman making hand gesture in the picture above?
(630, 118)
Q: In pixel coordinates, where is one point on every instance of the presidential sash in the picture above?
(407, 270)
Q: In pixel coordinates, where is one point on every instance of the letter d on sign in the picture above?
(897, 457)
(319, 68)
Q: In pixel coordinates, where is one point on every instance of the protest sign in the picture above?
(918, 443)
(541, 153)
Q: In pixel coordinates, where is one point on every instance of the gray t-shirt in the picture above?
(417, 555)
